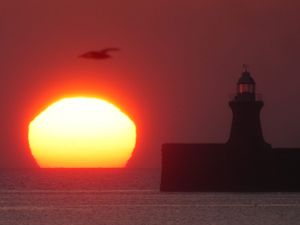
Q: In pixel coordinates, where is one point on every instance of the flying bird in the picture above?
(99, 55)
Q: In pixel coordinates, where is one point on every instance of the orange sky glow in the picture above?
(177, 66)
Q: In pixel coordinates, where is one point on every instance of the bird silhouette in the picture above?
(99, 55)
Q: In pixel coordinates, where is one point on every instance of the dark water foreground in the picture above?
(85, 197)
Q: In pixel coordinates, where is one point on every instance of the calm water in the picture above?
(128, 197)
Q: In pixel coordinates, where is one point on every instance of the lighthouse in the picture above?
(246, 162)
(246, 134)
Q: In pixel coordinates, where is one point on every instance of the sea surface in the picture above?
(129, 197)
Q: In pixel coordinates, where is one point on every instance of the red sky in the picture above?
(179, 63)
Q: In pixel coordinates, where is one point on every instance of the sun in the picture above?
(82, 132)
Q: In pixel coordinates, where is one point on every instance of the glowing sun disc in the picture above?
(82, 133)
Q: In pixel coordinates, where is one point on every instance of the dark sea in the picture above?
(129, 197)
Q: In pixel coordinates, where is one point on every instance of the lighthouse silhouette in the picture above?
(246, 162)
(246, 128)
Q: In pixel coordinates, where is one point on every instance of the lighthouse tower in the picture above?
(246, 133)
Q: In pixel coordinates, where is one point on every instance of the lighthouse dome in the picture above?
(246, 78)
